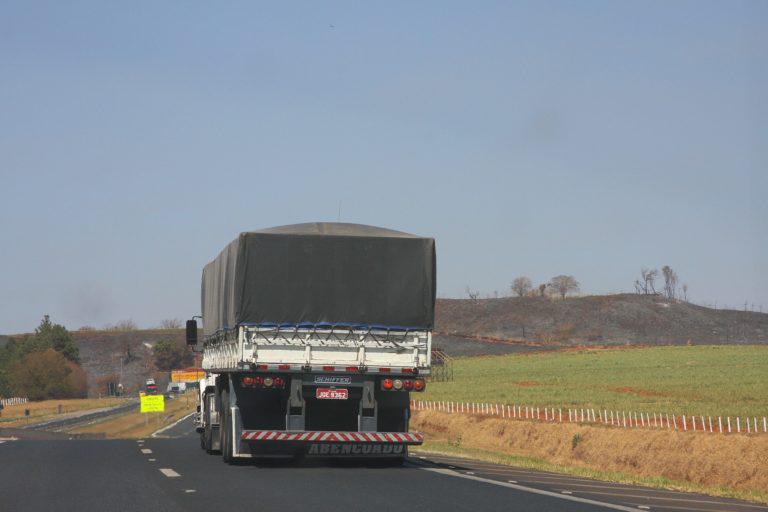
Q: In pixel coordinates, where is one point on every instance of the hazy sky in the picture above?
(538, 138)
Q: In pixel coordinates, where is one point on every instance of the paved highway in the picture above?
(173, 474)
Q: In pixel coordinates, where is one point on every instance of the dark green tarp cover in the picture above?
(321, 273)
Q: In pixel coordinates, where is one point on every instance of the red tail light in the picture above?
(249, 381)
(279, 382)
(408, 384)
(352, 369)
(419, 385)
(329, 368)
(386, 384)
(283, 367)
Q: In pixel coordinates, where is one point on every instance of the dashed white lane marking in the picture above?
(169, 472)
(644, 507)
(523, 488)
(566, 492)
(189, 490)
(139, 441)
(146, 450)
(512, 481)
(469, 472)
(151, 460)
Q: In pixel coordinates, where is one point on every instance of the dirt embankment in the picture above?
(734, 461)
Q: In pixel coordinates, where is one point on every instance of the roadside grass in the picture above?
(136, 425)
(450, 449)
(13, 415)
(724, 380)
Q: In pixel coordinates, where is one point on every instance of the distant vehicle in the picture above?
(176, 387)
(152, 388)
(314, 337)
(150, 382)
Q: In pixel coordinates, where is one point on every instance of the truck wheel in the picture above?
(208, 429)
(226, 434)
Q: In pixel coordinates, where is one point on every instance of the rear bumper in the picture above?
(287, 436)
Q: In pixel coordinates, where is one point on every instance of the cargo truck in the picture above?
(314, 336)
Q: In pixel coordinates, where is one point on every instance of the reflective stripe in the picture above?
(331, 436)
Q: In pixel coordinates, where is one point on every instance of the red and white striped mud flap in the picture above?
(332, 437)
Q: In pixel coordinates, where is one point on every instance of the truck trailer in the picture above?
(314, 337)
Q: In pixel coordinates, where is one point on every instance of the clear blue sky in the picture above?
(528, 138)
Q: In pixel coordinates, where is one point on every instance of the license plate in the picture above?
(331, 394)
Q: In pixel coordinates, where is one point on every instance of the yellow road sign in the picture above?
(152, 403)
(187, 375)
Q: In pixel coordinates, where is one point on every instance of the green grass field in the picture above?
(709, 380)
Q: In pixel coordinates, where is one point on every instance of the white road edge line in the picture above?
(169, 472)
(523, 488)
(159, 431)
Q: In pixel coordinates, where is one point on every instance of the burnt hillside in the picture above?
(601, 320)
(102, 352)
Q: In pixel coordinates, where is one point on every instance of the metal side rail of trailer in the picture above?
(319, 349)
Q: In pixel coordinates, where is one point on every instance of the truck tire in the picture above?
(226, 429)
(207, 434)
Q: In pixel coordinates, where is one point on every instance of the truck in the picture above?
(313, 338)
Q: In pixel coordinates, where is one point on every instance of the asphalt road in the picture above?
(174, 474)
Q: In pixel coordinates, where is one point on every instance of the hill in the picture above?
(596, 320)
(107, 353)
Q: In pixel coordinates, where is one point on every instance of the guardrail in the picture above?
(603, 417)
(13, 401)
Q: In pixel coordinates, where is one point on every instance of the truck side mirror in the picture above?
(191, 332)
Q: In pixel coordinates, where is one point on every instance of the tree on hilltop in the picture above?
(521, 286)
(563, 285)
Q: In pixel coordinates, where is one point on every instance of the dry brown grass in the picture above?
(709, 461)
(13, 415)
(134, 425)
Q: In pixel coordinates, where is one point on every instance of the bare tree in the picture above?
(542, 289)
(472, 295)
(170, 323)
(563, 285)
(122, 325)
(685, 292)
(521, 286)
(670, 281)
(647, 282)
